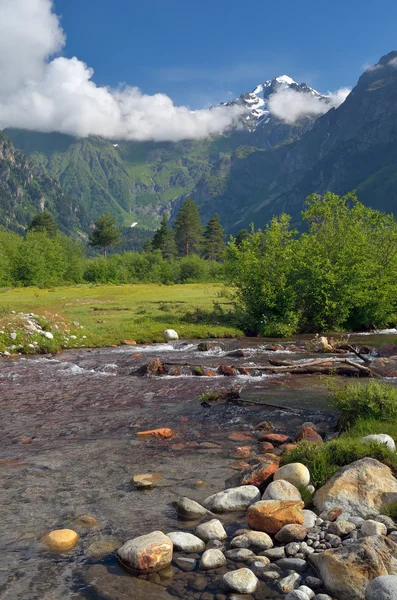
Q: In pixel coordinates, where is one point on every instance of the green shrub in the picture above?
(389, 510)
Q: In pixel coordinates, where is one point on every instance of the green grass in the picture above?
(110, 314)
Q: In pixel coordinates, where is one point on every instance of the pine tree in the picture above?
(214, 240)
(242, 235)
(45, 222)
(105, 234)
(164, 240)
(188, 229)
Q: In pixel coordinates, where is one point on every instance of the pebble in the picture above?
(211, 530)
(322, 597)
(292, 548)
(292, 564)
(256, 539)
(313, 583)
(274, 553)
(289, 583)
(187, 542)
(242, 581)
(296, 595)
(306, 590)
(212, 559)
(185, 563)
(341, 527)
(239, 554)
(61, 539)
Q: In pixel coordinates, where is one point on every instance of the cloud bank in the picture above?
(43, 93)
(288, 105)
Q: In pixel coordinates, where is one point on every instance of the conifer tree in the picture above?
(45, 222)
(105, 234)
(214, 248)
(164, 240)
(188, 229)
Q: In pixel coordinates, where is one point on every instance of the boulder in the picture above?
(373, 528)
(212, 559)
(61, 540)
(187, 542)
(170, 335)
(281, 490)
(387, 350)
(271, 515)
(308, 434)
(360, 489)
(147, 553)
(226, 371)
(211, 530)
(385, 367)
(242, 581)
(294, 473)
(381, 438)
(382, 588)
(252, 539)
(291, 533)
(260, 473)
(347, 570)
(189, 509)
(238, 498)
(274, 438)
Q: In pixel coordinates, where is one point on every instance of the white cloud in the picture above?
(42, 93)
(289, 105)
(393, 62)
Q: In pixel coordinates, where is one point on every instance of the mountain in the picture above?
(138, 181)
(25, 189)
(351, 147)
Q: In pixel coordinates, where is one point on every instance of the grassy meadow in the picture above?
(109, 314)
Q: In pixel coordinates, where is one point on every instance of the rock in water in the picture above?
(147, 553)
(271, 515)
(61, 539)
(189, 509)
(347, 570)
(381, 438)
(294, 473)
(238, 498)
(382, 588)
(212, 559)
(187, 542)
(211, 530)
(360, 489)
(242, 581)
(171, 335)
(109, 586)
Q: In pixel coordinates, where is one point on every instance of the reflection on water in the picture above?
(68, 448)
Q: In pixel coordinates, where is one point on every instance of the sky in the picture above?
(151, 70)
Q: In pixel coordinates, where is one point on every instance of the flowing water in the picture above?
(68, 447)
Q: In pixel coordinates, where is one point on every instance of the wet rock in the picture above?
(206, 372)
(103, 547)
(291, 533)
(265, 447)
(385, 367)
(242, 581)
(226, 371)
(212, 559)
(295, 473)
(252, 539)
(189, 509)
(211, 530)
(292, 564)
(232, 499)
(387, 350)
(381, 438)
(289, 583)
(185, 563)
(286, 448)
(198, 583)
(109, 586)
(236, 354)
(146, 481)
(281, 490)
(187, 542)
(314, 583)
(309, 435)
(147, 553)
(373, 528)
(347, 571)
(87, 521)
(25, 440)
(271, 515)
(239, 554)
(209, 346)
(259, 474)
(170, 335)
(264, 426)
(382, 588)
(160, 434)
(274, 348)
(243, 452)
(61, 540)
(154, 367)
(360, 489)
(274, 438)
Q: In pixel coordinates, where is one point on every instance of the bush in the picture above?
(373, 400)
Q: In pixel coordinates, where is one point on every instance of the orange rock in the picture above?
(145, 481)
(239, 437)
(226, 371)
(261, 473)
(243, 452)
(274, 438)
(287, 448)
(25, 440)
(61, 539)
(209, 445)
(137, 355)
(265, 447)
(160, 434)
(208, 372)
(129, 343)
(308, 434)
(240, 464)
(271, 515)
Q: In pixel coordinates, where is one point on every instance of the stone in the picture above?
(347, 570)
(185, 563)
(146, 481)
(271, 515)
(240, 437)
(274, 553)
(265, 447)
(309, 592)
(102, 547)
(259, 474)
(289, 583)
(209, 346)
(87, 521)
(281, 490)
(285, 448)
(360, 489)
(189, 509)
(341, 528)
(388, 521)
(170, 335)
(160, 434)
(61, 540)
(309, 435)
(297, 595)
(147, 553)
(295, 473)
(110, 586)
(291, 533)
(240, 554)
(187, 542)
(292, 549)
(242, 581)
(274, 438)
(252, 539)
(381, 438)
(212, 559)
(292, 564)
(243, 452)
(382, 588)
(385, 367)
(226, 371)
(211, 530)
(264, 426)
(373, 528)
(314, 583)
(310, 519)
(387, 350)
(322, 597)
(238, 498)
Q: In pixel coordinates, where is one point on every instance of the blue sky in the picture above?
(200, 53)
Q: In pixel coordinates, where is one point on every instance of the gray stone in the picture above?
(322, 597)
(147, 553)
(309, 593)
(357, 521)
(382, 588)
(270, 575)
(189, 509)
(110, 586)
(252, 539)
(292, 564)
(373, 528)
(292, 548)
(242, 581)
(211, 530)
(310, 519)
(239, 554)
(341, 528)
(297, 595)
(281, 490)
(185, 563)
(388, 521)
(187, 542)
(238, 498)
(314, 583)
(274, 553)
(212, 559)
(289, 583)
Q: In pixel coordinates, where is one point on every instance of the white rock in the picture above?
(295, 473)
(287, 584)
(311, 489)
(252, 539)
(48, 335)
(212, 559)
(13, 335)
(381, 438)
(186, 541)
(211, 530)
(297, 595)
(242, 581)
(281, 490)
(382, 588)
(373, 528)
(147, 553)
(307, 591)
(237, 498)
(170, 335)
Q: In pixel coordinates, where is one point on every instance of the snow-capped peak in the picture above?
(285, 79)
